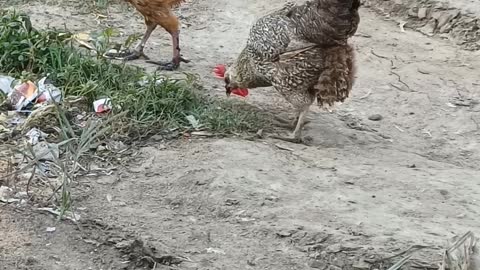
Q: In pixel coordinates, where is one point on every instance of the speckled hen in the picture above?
(303, 52)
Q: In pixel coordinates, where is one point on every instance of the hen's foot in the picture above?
(127, 55)
(288, 123)
(294, 139)
(282, 120)
(135, 55)
(293, 125)
(169, 66)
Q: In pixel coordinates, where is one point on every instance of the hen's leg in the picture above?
(171, 24)
(297, 133)
(287, 123)
(177, 58)
(138, 51)
(284, 123)
(296, 136)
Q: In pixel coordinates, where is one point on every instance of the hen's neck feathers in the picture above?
(245, 71)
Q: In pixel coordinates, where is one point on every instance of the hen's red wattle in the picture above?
(240, 92)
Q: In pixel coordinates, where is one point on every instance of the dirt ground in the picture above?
(364, 189)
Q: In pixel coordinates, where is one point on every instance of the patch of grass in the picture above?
(143, 104)
(90, 6)
(152, 102)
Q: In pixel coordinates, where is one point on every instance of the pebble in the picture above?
(375, 117)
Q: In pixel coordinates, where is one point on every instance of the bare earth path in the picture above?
(376, 187)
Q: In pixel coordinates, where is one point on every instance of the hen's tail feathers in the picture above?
(355, 5)
(336, 81)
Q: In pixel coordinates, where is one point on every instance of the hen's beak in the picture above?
(228, 90)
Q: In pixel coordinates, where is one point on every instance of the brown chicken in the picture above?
(159, 12)
(302, 51)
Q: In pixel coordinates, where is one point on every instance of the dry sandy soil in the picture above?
(364, 189)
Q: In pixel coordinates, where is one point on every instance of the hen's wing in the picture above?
(299, 69)
(269, 37)
(273, 35)
(295, 27)
(290, 64)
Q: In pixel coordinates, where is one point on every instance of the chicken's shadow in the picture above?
(340, 130)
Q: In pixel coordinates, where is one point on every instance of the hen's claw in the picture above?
(285, 123)
(282, 124)
(169, 66)
(287, 139)
(134, 56)
(181, 59)
(127, 55)
(282, 120)
(299, 140)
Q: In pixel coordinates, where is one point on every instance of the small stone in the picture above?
(375, 117)
(444, 192)
(335, 248)
(107, 180)
(215, 251)
(318, 265)
(120, 204)
(5, 193)
(21, 195)
(437, 14)
(272, 198)
(429, 28)
(284, 233)
(422, 13)
(412, 12)
(157, 138)
(446, 17)
(231, 202)
(124, 244)
(46, 151)
(360, 265)
(31, 261)
(117, 146)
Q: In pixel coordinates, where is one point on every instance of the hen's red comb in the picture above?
(219, 71)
